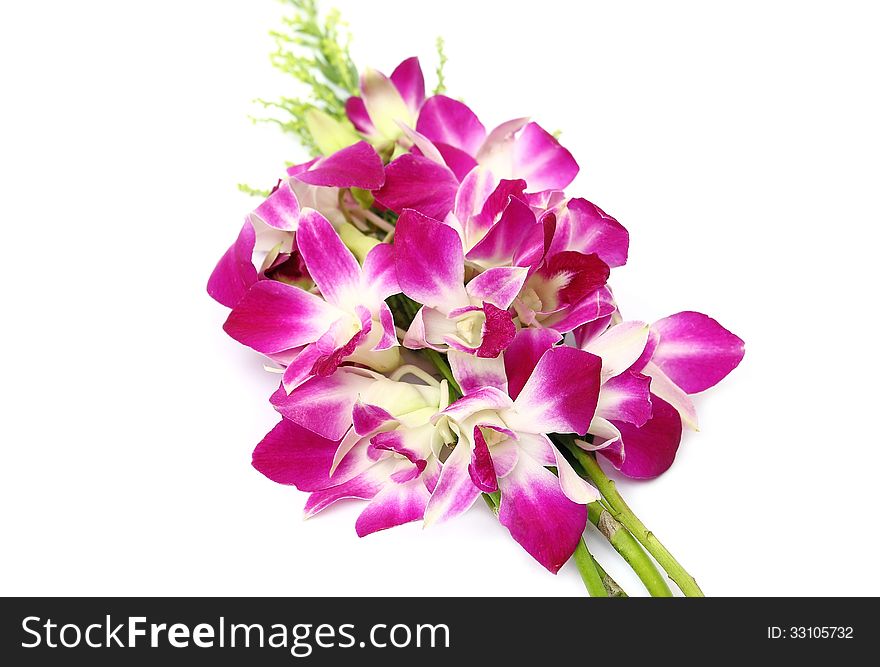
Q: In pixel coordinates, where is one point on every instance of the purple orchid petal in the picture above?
(538, 514)
(416, 336)
(481, 469)
(394, 505)
(380, 272)
(384, 104)
(575, 488)
(586, 228)
(497, 151)
(498, 285)
(323, 404)
(291, 454)
(670, 392)
(577, 275)
(389, 333)
(604, 434)
(516, 227)
(587, 333)
(498, 331)
(448, 121)
(523, 354)
(273, 317)
(299, 368)
(650, 346)
(430, 261)
(356, 111)
(363, 487)
(331, 265)
(626, 397)
(331, 356)
(498, 200)
(280, 210)
(473, 373)
(487, 398)
(541, 160)
(596, 306)
(357, 166)
(694, 351)
(619, 347)
(455, 492)
(410, 83)
(416, 182)
(472, 195)
(460, 162)
(561, 394)
(235, 272)
(369, 419)
(651, 449)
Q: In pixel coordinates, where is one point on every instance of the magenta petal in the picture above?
(473, 373)
(487, 398)
(498, 331)
(586, 228)
(330, 264)
(389, 333)
(356, 111)
(562, 392)
(380, 273)
(430, 261)
(481, 469)
(596, 306)
(235, 272)
(415, 182)
(280, 210)
(472, 194)
(516, 227)
(498, 285)
(394, 505)
(538, 514)
(369, 419)
(540, 159)
(323, 404)
(626, 397)
(650, 450)
(455, 492)
(364, 487)
(457, 160)
(356, 166)
(291, 454)
(523, 354)
(576, 274)
(273, 317)
(694, 351)
(407, 77)
(448, 121)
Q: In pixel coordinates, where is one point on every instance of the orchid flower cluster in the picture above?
(438, 309)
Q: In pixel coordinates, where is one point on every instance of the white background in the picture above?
(738, 143)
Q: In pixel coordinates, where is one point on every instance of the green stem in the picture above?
(586, 566)
(612, 587)
(622, 513)
(625, 544)
(443, 366)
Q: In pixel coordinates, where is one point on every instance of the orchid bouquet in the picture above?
(439, 312)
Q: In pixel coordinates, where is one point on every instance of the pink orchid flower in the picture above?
(348, 321)
(374, 441)
(648, 373)
(450, 141)
(387, 102)
(470, 317)
(501, 423)
(269, 230)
